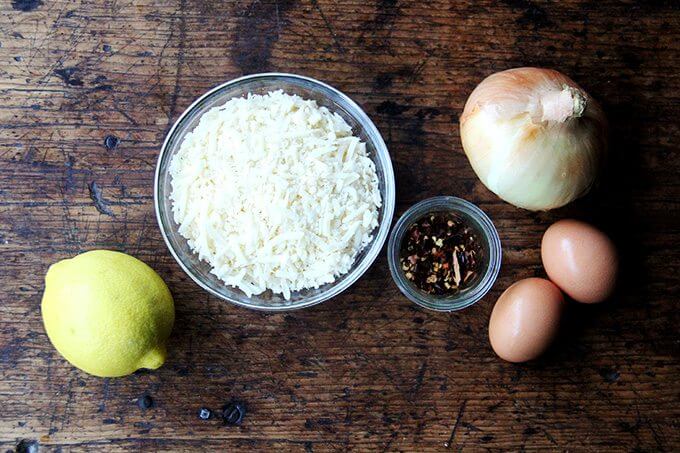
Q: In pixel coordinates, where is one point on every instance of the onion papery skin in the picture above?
(526, 145)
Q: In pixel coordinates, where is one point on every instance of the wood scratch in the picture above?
(126, 116)
(72, 235)
(329, 27)
(142, 231)
(417, 71)
(66, 418)
(105, 394)
(419, 380)
(449, 443)
(278, 21)
(180, 59)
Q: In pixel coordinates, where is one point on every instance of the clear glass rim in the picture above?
(483, 223)
(381, 153)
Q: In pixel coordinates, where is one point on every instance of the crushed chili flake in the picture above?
(440, 254)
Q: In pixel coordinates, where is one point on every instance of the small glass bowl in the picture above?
(491, 248)
(307, 88)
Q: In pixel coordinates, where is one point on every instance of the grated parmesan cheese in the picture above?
(274, 192)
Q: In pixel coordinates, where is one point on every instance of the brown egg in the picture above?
(580, 259)
(525, 319)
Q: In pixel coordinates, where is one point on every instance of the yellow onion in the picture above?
(534, 137)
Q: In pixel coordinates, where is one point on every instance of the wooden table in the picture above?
(368, 370)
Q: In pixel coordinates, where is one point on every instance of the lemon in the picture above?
(107, 313)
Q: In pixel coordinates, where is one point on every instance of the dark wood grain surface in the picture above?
(368, 370)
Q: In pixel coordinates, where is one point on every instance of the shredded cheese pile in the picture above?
(274, 192)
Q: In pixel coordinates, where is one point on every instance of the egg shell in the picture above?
(526, 319)
(581, 260)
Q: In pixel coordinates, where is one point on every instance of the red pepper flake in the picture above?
(440, 254)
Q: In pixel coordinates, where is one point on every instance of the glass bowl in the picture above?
(307, 88)
(491, 249)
